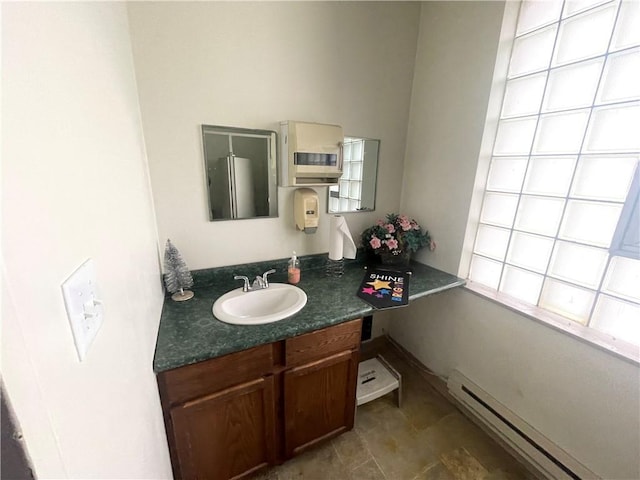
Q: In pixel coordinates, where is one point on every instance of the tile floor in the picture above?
(427, 439)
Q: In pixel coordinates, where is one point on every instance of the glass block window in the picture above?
(560, 209)
(348, 195)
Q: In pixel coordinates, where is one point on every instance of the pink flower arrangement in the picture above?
(396, 234)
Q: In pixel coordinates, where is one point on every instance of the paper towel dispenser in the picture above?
(310, 154)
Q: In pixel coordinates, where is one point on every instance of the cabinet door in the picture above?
(319, 400)
(226, 434)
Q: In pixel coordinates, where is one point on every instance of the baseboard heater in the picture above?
(541, 453)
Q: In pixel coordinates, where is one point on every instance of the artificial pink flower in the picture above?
(392, 244)
(375, 243)
(390, 228)
(406, 225)
(432, 245)
(380, 222)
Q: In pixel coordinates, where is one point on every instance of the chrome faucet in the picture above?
(260, 283)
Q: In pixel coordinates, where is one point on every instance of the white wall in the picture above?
(584, 399)
(75, 185)
(252, 65)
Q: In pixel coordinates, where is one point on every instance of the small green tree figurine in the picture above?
(177, 276)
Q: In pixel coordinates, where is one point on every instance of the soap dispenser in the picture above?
(293, 271)
(306, 209)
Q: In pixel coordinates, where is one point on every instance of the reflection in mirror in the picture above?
(356, 190)
(240, 166)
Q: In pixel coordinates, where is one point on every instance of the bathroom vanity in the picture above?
(231, 415)
(237, 398)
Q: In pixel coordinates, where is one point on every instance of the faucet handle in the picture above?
(265, 282)
(245, 287)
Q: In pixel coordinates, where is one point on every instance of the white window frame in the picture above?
(594, 337)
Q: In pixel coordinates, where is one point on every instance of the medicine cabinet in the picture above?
(240, 172)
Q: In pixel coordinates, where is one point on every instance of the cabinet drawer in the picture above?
(322, 343)
(191, 381)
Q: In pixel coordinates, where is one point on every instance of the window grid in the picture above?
(568, 110)
(547, 276)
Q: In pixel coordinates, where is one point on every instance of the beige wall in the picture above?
(585, 400)
(75, 186)
(252, 65)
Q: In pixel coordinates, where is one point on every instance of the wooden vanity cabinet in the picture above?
(320, 385)
(220, 414)
(231, 416)
(227, 433)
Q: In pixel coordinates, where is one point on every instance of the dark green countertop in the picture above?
(189, 333)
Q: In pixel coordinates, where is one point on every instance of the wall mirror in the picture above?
(356, 190)
(241, 172)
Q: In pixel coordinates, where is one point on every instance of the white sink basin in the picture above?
(277, 302)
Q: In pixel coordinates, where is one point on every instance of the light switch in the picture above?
(84, 307)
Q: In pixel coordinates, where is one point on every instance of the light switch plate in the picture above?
(84, 308)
